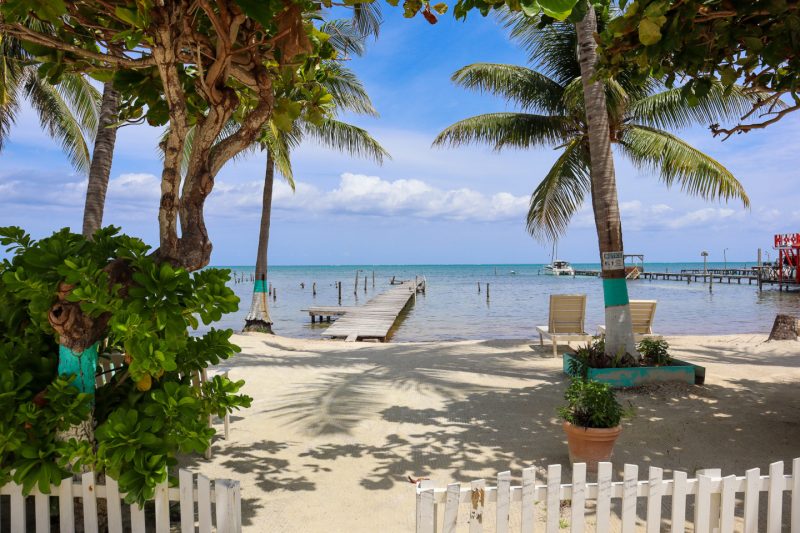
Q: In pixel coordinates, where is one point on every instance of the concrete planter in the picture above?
(679, 371)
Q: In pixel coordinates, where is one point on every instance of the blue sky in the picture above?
(425, 205)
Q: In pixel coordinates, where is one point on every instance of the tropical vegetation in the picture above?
(66, 106)
(68, 300)
(584, 114)
(756, 44)
(591, 404)
(553, 114)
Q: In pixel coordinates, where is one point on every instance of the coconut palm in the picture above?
(634, 117)
(102, 156)
(348, 95)
(67, 110)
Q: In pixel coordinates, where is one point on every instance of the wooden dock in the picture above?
(376, 318)
(327, 312)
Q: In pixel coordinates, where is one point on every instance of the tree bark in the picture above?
(784, 329)
(102, 157)
(619, 331)
(258, 318)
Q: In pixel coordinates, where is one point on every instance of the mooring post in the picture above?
(340, 291)
(365, 283)
(758, 272)
(373, 279)
(355, 286)
(479, 287)
(314, 289)
(487, 291)
(274, 293)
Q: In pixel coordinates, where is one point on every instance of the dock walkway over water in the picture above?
(376, 318)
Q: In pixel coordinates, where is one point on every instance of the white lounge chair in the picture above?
(566, 322)
(643, 313)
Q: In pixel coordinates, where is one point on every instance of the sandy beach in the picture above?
(336, 428)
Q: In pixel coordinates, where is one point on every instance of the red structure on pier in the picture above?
(788, 246)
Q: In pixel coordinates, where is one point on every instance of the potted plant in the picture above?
(654, 351)
(592, 421)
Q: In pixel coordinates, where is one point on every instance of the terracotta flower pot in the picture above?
(590, 445)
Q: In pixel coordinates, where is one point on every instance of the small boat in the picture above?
(559, 268)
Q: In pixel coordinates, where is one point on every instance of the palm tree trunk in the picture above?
(258, 318)
(102, 155)
(619, 332)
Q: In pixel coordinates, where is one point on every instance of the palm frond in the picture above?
(522, 86)
(346, 138)
(508, 130)
(552, 47)
(280, 145)
(670, 109)
(57, 119)
(616, 100)
(676, 161)
(367, 19)
(561, 193)
(347, 90)
(344, 37)
(83, 99)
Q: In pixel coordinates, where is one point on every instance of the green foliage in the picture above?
(591, 404)
(139, 429)
(756, 44)
(654, 352)
(593, 355)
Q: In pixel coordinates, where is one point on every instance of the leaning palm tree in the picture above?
(634, 117)
(348, 95)
(67, 110)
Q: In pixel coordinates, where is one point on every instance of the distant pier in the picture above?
(376, 319)
(716, 275)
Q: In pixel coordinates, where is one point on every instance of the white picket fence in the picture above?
(225, 497)
(715, 506)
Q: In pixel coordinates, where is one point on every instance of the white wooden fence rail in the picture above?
(714, 500)
(225, 497)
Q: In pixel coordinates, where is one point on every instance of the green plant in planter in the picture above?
(654, 352)
(67, 300)
(593, 355)
(591, 404)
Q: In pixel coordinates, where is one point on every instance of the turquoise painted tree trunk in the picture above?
(258, 318)
(619, 330)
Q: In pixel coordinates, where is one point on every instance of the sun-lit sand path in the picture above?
(335, 428)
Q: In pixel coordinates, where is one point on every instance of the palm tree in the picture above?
(67, 110)
(102, 156)
(348, 95)
(631, 116)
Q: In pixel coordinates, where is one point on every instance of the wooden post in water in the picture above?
(274, 293)
(355, 287)
(758, 272)
(365, 283)
(373, 279)
(479, 287)
(339, 283)
(314, 289)
(487, 291)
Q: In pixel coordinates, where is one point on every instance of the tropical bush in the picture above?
(654, 352)
(111, 295)
(591, 404)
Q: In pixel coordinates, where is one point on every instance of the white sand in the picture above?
(335, 428)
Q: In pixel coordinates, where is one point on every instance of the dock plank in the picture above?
(376, 318)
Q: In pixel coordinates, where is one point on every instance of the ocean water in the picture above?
(452, 308)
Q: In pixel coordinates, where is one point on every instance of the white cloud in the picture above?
(358, 194)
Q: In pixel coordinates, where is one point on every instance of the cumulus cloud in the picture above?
(358, 194)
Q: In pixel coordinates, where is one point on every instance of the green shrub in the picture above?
(654, 352)
(591, 404)
(149, 411)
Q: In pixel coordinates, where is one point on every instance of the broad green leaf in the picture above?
(558, 9)
(649, 32)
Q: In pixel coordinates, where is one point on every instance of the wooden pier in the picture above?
(327, 312)
(376, 318)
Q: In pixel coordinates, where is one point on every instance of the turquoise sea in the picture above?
(452, 308)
